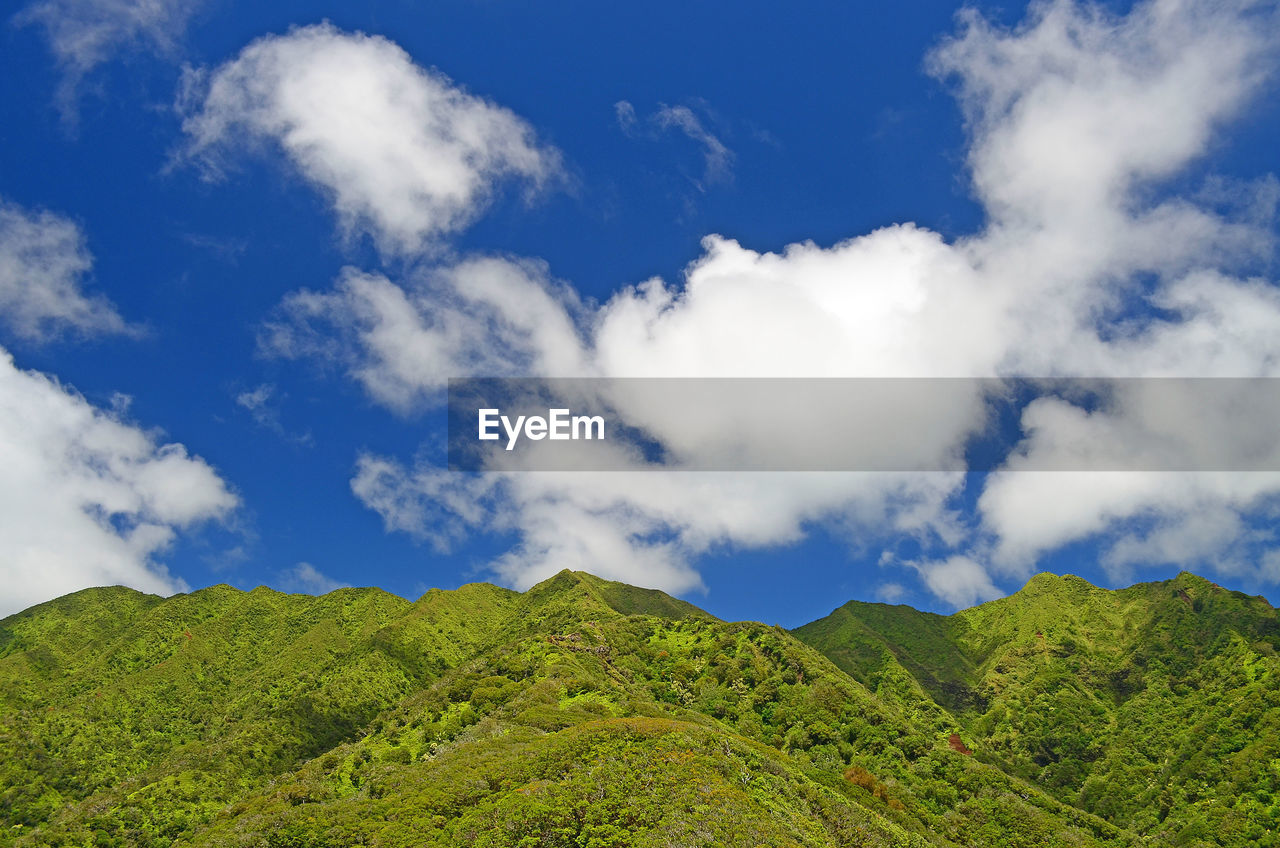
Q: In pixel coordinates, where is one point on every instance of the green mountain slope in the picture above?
(640, 730)
(590, 713)
(1156, 707)
(127, 714)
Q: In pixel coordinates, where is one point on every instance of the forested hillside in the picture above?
(589, 713)
(1156, 707)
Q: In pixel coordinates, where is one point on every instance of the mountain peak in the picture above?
(1048, 581)
(620, 598)
(1188, 579)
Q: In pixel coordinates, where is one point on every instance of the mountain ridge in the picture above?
(223, 717)
(1036, 580)
(1077, 688)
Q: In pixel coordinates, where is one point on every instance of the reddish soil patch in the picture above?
(958, 745)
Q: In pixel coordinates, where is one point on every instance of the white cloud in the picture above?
(307, 579)
(959, 581)
(648, 528)
(890, 593)
(1271, 566)
(1188, 518)
(403, 154)
(484, 315)
(43, 262)
(1075, 119)
(83, 34)
(87, 499)
(434, 507)
(1075, 107)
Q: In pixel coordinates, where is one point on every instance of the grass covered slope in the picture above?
(1156, 707)
(131, 719)
(588, 713)
(638, 730)
(185, 702)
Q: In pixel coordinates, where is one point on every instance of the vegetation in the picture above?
(1155, 707)
(588, 713)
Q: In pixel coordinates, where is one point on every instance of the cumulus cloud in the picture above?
(1188, 519)
(84, 34)
(1073, 108)
(1076, 117)
(403, 154)
(1225, 428)
(88, 499)
(43, 263)
(307, 579)
(1088, 264)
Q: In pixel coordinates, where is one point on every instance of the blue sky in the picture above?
(1089, 191)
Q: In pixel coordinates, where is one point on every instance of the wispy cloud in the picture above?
(890, 593)
(717, 157)
(626, 115)
(307, 579)
(263, 405)
(84, 34)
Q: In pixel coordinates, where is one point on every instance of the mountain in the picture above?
(1156, 707)
(589, 713)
